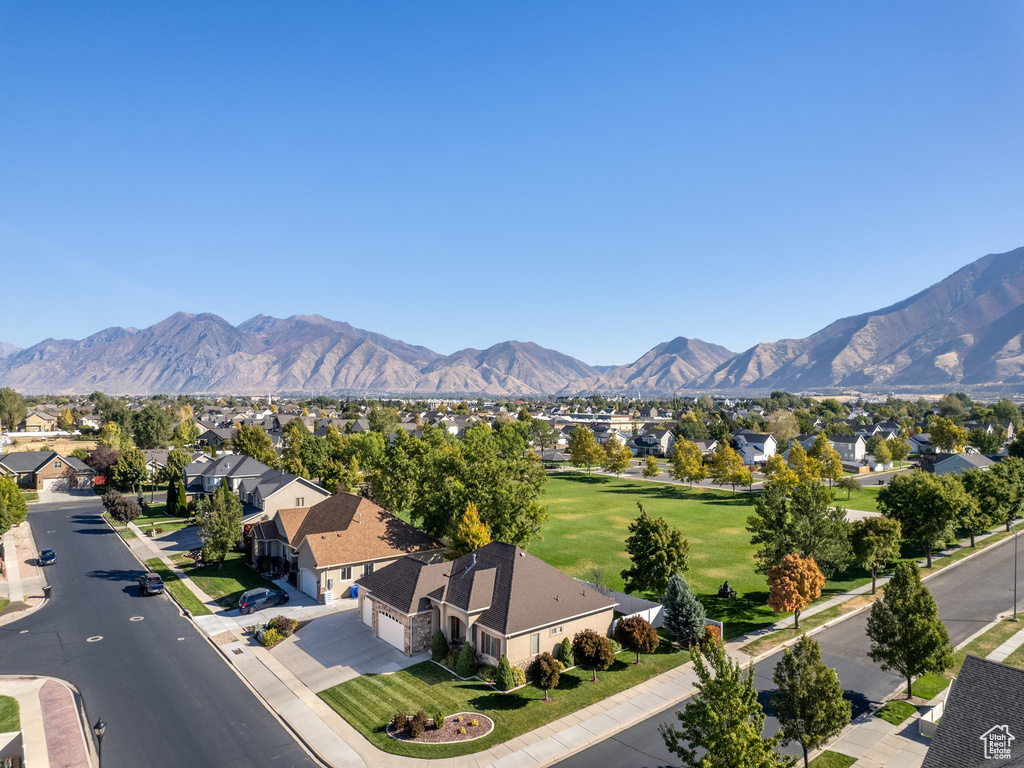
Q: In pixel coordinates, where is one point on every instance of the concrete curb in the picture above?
(83, 718)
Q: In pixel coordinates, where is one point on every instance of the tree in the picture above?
(219, 516)
(651, 468)
(805, 467)
(130, 471)
(185, 433)
(546, 671)
(295, 436)
(504, 680)
(724, 719)
(727, 468)
(382, 420)
(783, 425)
(687, 462)
(685, 617)
(543, 435)
(907, 635)
(794, 584)
(469, 534)
(1011, 470)
(876, 541)
(1006, 410)
(947, 435)
(465, 666)
(66, 420)
(777, 471)
(899, 449)
(985, 441)
(180, 508)
(12, 409)
(636, 634)
(102, 460)
(114, 437)
(13, 507)
(438, 646)
(583, 450)
(120, 507)
(849, 484)
(808, 699)
(882, 454)
(152, 426)
(828, 459)
(992, 496)
(926, 506)
(174, 469)
(565, 653)
(251, 440)
(771, 526)
(592, 651)
(616, 456)
(656, 551)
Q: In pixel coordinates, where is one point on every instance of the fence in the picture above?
(631, 605)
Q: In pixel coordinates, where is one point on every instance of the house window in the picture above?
(556, 631)
(491, 646)
(535, 643)
(56, 465)
(345, 574)
(300, 501)
(367, 569)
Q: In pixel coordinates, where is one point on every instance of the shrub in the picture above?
(505, 679)
(466, 665)
(487, 672)
(438, 720)
(518, 676)
(546, 671)
(284, 625)
(616, 646)
(565, 653)
(458, 719)
(474, 722)
(452, 660)
(399, 721)
(637, 634)
(271, 637)
(592, 651)
(462, 731)
(712, 634)
(418, 724)
(438, 646)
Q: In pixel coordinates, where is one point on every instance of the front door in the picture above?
(456, 633)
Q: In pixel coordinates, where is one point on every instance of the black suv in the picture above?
(151, 584)
(256, 599)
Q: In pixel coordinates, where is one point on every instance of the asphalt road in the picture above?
(969, 596)
(167, 698)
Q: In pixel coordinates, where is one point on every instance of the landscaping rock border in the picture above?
(450, 732)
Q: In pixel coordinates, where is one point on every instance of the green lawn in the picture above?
(157, 519)
(865, 499)
(369, 701)
(588, 526)
(226, 582)
(185, 597)
(895, 712)
(10, 715)
(4, 602)
(830, 759)
(30, 496)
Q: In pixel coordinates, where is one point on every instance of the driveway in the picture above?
(66, 497)
(339, 647)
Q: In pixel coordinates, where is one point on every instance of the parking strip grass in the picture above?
(225, 582)
(185, 597)
(369, 701)
(10, 715)
(895, 712)
(830, 759)
(156, 519)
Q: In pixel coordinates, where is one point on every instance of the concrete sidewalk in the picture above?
(53, 732)
(25, 580)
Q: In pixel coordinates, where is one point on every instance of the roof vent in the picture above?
(359, 519)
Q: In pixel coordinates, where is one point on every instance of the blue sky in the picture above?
(595, 177)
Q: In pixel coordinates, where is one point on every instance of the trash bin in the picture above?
(353, 591)
(47, 591)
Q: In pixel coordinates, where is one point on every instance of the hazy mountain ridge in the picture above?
(7, 349)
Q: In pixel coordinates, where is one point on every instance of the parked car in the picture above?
(257, 599)
(151, 584)
(47, 557)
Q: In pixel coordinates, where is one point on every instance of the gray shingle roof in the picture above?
(24, 462)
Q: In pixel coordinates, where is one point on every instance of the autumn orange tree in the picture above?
(793, 585)
(469, 535)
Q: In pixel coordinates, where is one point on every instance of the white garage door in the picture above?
(57, 484)
(367, 612)
(390, 630)
(309, 583)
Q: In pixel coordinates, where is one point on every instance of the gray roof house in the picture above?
(206, 477)
(955, 463)
(275, 490)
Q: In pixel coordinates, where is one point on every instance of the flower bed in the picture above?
(453, 730)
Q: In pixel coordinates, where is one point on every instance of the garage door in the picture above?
(56, 484)
(390, 630)
(309, 583)
(367, 612)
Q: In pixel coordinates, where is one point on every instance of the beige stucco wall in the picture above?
(286, 498)
(341, 585)
(517, 648)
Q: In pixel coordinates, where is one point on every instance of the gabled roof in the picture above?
(846, 438)
(985, 694)
(520, 591)
(23, 462)
(232, 465)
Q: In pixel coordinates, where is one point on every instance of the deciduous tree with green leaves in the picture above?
(907, 635)
(876, 541)
(828, 459)
(926, 506)
(808, 698)
(656, 551)
(251, 440)
(946, 434)
(152, 426)
(727, 468)
(722, 726)
(651, 468)
(687, 462)
(13, 508)
(12, 409)
(583, 449)
(129, 473)
(219, 516)
(469, 534)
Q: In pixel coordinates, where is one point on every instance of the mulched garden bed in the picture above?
(450, 732)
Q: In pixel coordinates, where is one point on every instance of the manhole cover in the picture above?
(136, 618)
(23, 632)
(94, 639)
(51, 531)
(180, 639)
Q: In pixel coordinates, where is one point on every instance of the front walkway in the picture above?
(879, 744)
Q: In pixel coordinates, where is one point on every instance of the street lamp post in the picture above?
(1015, 532)
(98, 729)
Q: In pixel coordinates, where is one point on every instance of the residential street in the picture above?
(167, 699)
(969, 597)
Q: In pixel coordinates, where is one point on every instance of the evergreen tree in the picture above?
(504, 680)
(808, 699)
(438, 646)
(656, 552)
(724, 718)
(685, 617)
(180, 500)
(907, 635)
(466, 665)
(565, 653)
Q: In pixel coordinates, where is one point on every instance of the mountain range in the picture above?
(965, 331)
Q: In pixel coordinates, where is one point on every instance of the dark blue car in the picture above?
(47, 557)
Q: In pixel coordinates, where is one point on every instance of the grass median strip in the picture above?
(830, 759)
(225, 582)
(895, 712)
(369, 701)
(177, 587)
(10, 715)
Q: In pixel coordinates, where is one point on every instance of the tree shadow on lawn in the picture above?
(497, 702)
(740, 615)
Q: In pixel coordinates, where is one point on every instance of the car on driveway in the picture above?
(257, 599)
(151, 584)
(47, 557)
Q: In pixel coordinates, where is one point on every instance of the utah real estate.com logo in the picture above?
(997, 742)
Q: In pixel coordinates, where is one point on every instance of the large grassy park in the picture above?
(588, 526)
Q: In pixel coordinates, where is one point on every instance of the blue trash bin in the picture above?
(353, 591)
